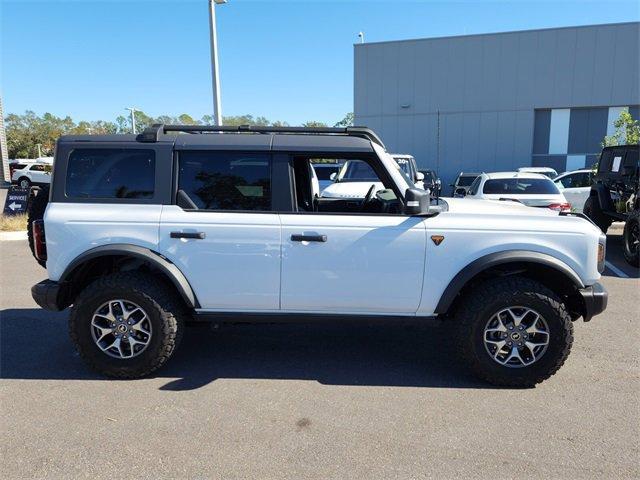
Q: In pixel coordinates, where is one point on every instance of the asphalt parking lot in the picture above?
(313, 401)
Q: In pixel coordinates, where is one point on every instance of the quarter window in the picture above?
(111, 173)
(226, 181)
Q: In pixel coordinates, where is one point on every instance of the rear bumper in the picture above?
(50, 295)
(595, 300)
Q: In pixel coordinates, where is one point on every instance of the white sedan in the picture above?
(531, 189)
(576, 187)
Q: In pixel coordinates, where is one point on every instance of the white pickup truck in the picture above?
(141, 234)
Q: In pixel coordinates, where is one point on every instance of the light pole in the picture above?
(215, 79)
(133, 118)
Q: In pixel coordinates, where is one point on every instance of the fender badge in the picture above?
(437, 239)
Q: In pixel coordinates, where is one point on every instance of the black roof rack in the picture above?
(152, 133)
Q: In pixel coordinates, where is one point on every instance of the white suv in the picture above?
(32, 174)
(144, 233)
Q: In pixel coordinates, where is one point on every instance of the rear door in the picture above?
(222, 232)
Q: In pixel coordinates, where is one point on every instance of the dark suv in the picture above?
(614, 195)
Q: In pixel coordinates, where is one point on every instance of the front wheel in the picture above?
(631, 238)
(126, 325)
(25, 183)
(513, 332)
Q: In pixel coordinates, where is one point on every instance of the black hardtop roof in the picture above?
(349, 139)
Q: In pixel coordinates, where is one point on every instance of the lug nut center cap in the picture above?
(122, 328)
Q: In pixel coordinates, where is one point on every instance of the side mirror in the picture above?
(419, 176)
(333, 176)
(460, 192)
(417, 201)
(438, 182)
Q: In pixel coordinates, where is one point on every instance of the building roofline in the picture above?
(510, 32)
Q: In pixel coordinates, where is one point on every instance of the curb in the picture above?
(11, 236)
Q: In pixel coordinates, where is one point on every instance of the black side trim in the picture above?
(159, 261)
(302, 317)
(500, 258)
(595, 299)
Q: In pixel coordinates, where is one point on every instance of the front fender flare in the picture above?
(157, 260)
(500, 258)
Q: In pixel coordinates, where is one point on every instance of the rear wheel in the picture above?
(128, 324)
(631, 237)
(594, 212)
(513, 332)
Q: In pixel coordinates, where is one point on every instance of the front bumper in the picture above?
(50, 295)
(595, 300)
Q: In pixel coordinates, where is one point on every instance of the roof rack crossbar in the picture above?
(152, 134)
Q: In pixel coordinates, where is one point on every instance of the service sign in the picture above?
(16, 201)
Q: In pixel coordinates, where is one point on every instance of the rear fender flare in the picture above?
(154, 258)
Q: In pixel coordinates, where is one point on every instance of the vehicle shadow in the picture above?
(34, 344)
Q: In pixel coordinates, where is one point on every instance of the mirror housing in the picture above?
(417, 201)
(419, 176)
(333, 176)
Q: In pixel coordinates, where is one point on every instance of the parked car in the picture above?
(547, 171)
(615, 196)
(462, 183)
(324, 171)
(530, 189)
(432, 182)
(32, 174)
(354, 181)
(142, 234)
(575, 186)
(408, 165)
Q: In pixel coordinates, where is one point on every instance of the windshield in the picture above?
(357, 171)
(466, 180)
(405, 165)
(520, 186)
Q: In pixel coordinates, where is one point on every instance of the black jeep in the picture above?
(614, 195)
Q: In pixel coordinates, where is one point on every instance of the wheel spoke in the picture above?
(112, 318)
(515, 353)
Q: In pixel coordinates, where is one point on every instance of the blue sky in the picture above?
(286, 60)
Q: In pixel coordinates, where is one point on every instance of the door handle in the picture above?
(193, 235)
(308, 238)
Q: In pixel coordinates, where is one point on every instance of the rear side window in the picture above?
(226, 180)
(111, 173)
(520, 186)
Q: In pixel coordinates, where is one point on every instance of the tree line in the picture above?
(28, 131)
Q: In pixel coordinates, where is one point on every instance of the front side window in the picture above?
(576, 180)
(40, 168)
(111, 173)
(520, 186)
(226, 180)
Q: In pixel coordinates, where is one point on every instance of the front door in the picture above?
(221, 233)
(369, 264)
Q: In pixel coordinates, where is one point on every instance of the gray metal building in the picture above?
(495, 102)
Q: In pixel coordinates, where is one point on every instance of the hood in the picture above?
(350, 189)
(498, 207)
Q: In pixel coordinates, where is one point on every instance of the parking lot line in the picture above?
(615, 270)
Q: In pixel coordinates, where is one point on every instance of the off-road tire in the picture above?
(630, 234)
(165, 309)
(484, 301)
(592, 210)
(38, 200)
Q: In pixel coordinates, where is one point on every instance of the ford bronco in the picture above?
(142, 234)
